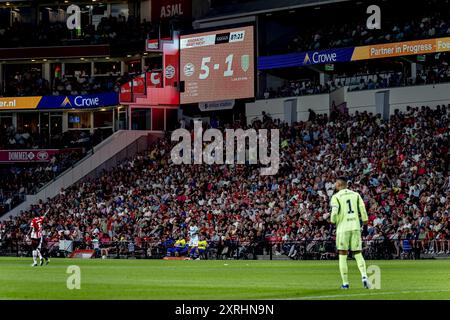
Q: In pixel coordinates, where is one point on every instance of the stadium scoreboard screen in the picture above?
(217, 65)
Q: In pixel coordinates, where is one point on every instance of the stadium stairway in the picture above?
(119, 146)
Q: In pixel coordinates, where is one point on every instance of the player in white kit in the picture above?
(193, 237)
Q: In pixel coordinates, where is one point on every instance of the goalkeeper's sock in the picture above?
(361, 265)
(343, 268)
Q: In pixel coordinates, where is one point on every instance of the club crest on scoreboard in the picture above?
(170, 71)
(188, 69)
(245, 62)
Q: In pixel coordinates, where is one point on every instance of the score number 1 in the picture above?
(205, 68)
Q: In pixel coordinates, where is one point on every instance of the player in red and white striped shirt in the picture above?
(37, 239)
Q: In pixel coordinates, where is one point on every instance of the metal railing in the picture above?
(235, 249)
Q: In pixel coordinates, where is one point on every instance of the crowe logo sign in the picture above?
(81, 102)
(320, 57)
(66, 102)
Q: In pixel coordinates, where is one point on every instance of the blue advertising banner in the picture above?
(305, 58)
(79, 102)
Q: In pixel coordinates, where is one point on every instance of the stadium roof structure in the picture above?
(239, 9)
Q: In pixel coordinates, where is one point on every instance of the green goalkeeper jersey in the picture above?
(347, 208)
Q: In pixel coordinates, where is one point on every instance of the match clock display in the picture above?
(217, 65)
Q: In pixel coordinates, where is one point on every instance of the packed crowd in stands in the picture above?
(432, 74)
(21, 180)
(437, 73)
(33, 84)
(11, 138)
(27, 179)
(401, 168)
(109, 30)
(395, 28)
(341, 32)
(308, 87)
(296, 88)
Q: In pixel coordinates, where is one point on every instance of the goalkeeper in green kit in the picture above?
(347, 208)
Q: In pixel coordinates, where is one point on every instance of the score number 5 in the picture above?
(205, 68)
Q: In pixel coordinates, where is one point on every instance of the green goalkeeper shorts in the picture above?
(349, 240)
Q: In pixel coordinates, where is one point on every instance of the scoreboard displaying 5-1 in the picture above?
(217, 65)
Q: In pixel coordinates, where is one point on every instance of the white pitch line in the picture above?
(343, 295)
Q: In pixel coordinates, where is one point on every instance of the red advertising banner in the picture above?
(125, 92)
(155, 45)
(152, 45)
(31, 155)
(171, 63)
(154, 79)
(139, 85)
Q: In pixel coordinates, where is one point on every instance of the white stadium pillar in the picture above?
(46, 71)
(413, 71)
(322, 78)
(123, 67)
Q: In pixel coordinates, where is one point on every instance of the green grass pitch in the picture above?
(220, 279)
